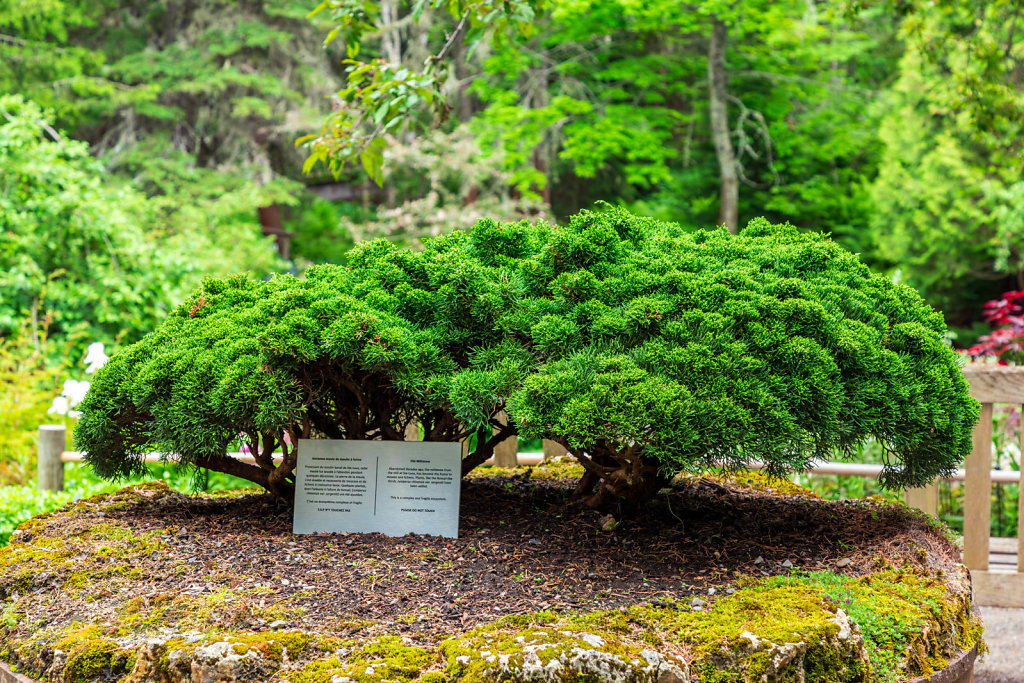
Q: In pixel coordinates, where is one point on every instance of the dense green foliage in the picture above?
(894, 128)
(68, 244)
(643, 348)
(333, 355)
(318, 233)
(165, 126)
(672, 349)
(84, 257)
(214, 80)
(948, 197)
(616, 105)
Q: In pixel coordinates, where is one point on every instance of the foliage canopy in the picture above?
(645, 349)
(663, 351)
(833, 111)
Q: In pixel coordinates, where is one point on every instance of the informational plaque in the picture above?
(392, 487)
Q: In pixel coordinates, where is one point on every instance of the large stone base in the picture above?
(960, 670)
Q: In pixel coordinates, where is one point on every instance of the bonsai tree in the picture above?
(401, 337)
(662, 351)
(644, 349)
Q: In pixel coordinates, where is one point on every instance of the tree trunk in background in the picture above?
(553, 449)
(390, 40)
(270, 220)
(464, 74)
(728, 208)
(537, 97)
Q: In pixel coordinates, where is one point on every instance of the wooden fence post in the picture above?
(553, 450)
(978, 493)
(1020, 524)
(49, 466)
(1020, 507)
(925, 498)
(506, 453)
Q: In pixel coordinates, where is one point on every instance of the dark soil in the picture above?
(522, 547)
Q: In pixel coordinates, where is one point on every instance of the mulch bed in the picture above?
(522, 547)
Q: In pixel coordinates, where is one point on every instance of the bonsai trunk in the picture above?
(614, 482)
(274, 481)
(626, 489)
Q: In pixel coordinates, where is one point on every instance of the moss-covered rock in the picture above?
(90, 656)
(75, 606)
(818, 626)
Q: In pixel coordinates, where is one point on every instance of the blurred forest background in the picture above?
(145, 144)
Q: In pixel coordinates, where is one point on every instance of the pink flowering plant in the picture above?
(1005, 344)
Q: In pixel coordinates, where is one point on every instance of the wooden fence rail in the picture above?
(54, 453)
(51, 455)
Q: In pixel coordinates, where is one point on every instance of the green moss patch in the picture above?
(92, 657)
(831, 628)
(76, 562)
(565, 467)
(910, 621)
(385, 659)
(747, 481)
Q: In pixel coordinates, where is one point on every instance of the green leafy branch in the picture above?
(382, 98)
(378, 100)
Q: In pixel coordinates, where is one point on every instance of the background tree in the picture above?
(605, 99)
(226, 83)
(948, 196)
(187, 101)
(82, 257)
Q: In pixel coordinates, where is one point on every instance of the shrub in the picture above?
(318, 235)
(84, 256)
(644, 349)
(346, 354)
(1006, 342)
(664, 351)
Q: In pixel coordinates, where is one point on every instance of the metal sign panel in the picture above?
(391, 487)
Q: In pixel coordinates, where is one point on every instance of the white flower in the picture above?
(60, 406)
(95, 358)
(75, 391)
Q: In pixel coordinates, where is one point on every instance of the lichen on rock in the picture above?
(550, 655)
